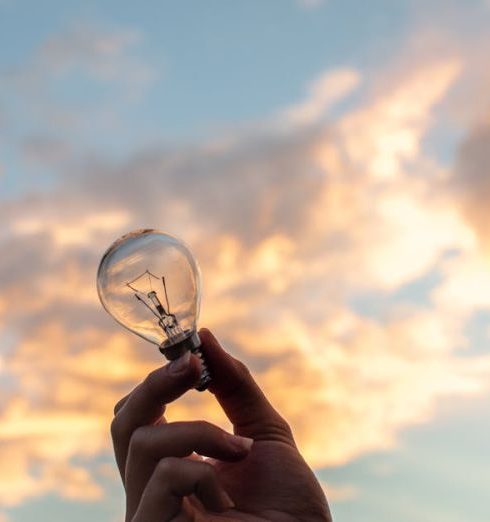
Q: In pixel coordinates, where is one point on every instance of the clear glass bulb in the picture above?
(150, 283)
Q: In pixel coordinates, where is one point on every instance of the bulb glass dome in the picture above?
(150, 283)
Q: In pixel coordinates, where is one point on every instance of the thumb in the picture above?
(242, 400)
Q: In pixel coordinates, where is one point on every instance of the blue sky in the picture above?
(210, 72)
(314, 149)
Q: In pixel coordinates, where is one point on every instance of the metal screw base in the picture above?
(205, 379)
(190, 342)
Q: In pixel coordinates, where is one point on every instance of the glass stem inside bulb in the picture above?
(166, 320)
(178, 340)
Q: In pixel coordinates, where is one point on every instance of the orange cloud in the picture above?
(79, 231)
(289, 228)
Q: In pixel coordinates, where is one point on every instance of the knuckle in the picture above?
(207, 471)
(284, 425)
(166, 467)
(118, 406)
(139, 442)
(281, 430)
(243, 372)
(116, 428)
(241, 367)
(151, 383)
(120, 403)
(203, 426)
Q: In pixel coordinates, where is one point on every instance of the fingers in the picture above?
(180, 439)
(146, 404)
(121, 403)
(242, 400)
(150, 444)
(174, 479)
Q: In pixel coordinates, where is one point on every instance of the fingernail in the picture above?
(227, 502)
(180, 364)
(240, 443)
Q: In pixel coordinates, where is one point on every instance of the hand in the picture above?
(255, 475)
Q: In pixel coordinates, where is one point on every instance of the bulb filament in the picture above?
(166, 320)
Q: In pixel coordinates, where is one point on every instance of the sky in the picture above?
(327, 163)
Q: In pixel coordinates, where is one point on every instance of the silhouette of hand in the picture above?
(255, 475)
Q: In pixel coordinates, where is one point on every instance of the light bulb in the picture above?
(150, 283)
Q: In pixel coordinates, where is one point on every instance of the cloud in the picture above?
(97, 52)
(339, 493)
(471, 181)
(291, 225)
(466, 287)
(388, 132)
(70, 232)
(104, 71)
(104, 55)
(63, 410)
(323, 94)
(44, 150)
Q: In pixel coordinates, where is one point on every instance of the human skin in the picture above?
(257, 474)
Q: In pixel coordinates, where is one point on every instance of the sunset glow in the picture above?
(335, 192)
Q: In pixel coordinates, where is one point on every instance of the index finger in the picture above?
(146, 404)
(244, 403)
